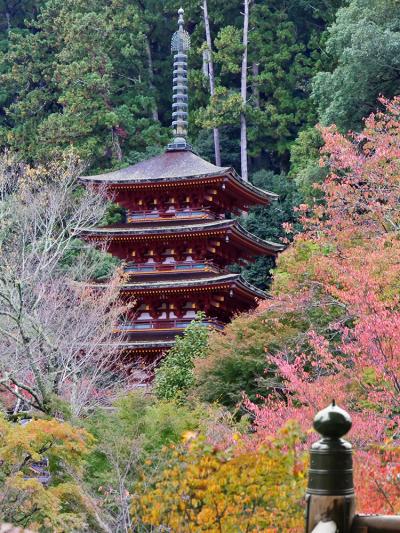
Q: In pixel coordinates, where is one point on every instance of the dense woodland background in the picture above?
(220, 441)
(96, 76)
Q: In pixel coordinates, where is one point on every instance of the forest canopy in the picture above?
(300, 98)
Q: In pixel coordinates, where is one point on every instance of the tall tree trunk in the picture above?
(211, 77)
(243, 93)
(8, 19)
(116, 146)
(154, 110)
(255, 88)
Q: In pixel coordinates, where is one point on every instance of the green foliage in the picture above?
(97, 76)
(236, 361)
(175, 374)
(98, 264)
(78, 78)
(285, 52)
(129, 440)
(364, 43)
(266, 222)
(305, 163)
(114, 215)
(229, 50)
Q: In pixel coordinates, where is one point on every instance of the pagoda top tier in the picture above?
(174, 166)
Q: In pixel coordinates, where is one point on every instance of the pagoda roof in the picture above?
(223, 281)
(173, 166)
(127, 232)
(147, 345)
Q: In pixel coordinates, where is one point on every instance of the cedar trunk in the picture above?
(217, 145)
(243, 93)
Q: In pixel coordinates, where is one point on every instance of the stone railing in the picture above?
(331, 499)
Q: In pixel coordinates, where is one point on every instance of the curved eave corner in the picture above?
(266, 245)
(261, 197)
(228, 225)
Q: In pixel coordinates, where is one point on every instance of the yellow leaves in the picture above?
(188, 436)
(42, 437)
(59, 508)
(234, 490)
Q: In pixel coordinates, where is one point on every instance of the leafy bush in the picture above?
(207, 489)
(175, 376)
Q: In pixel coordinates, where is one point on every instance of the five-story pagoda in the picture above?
(177, 241)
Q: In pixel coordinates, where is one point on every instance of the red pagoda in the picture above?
(178, 241)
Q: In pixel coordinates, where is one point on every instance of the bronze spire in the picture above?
(180, 45)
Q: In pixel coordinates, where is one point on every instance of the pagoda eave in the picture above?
(226, 229)
(146, 347)
(181, 168)
(231, 183)
(225, 283)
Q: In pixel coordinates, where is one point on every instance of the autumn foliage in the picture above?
(59, 504)
(208, 489)
(342, 275)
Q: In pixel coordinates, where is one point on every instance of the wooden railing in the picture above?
(176, 266)
(155, 214)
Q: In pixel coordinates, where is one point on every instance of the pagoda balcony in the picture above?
(176, 266)
(171, 214)
(165, 325)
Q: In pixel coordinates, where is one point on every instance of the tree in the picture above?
(267, 222)
(235, 362)
(79, 77)
(129, 439)
(348, 92)
(175, 374)
(24, 499)
(243, 91)
(211, 77)
(110, 97)
(134, 440)
(286, 48)
(305, 168)
(354, 358)
(209, 489)
(57, 336)
(14, 13)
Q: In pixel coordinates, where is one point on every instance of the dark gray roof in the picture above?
(150, 344)
(149, 229)
(195, 282)
(172, 166)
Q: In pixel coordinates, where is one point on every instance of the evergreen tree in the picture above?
(79, 78)
(266, 222)
(364, 43)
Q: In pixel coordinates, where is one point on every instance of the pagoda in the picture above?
(180, 234)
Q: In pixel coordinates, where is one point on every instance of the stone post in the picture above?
(330, 493)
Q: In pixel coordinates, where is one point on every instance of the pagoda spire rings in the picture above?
(180, 46)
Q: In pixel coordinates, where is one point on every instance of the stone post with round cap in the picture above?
(330, 493)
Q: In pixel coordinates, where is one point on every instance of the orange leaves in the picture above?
(213, 491)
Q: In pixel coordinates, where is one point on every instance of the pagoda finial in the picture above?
(180, 45)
